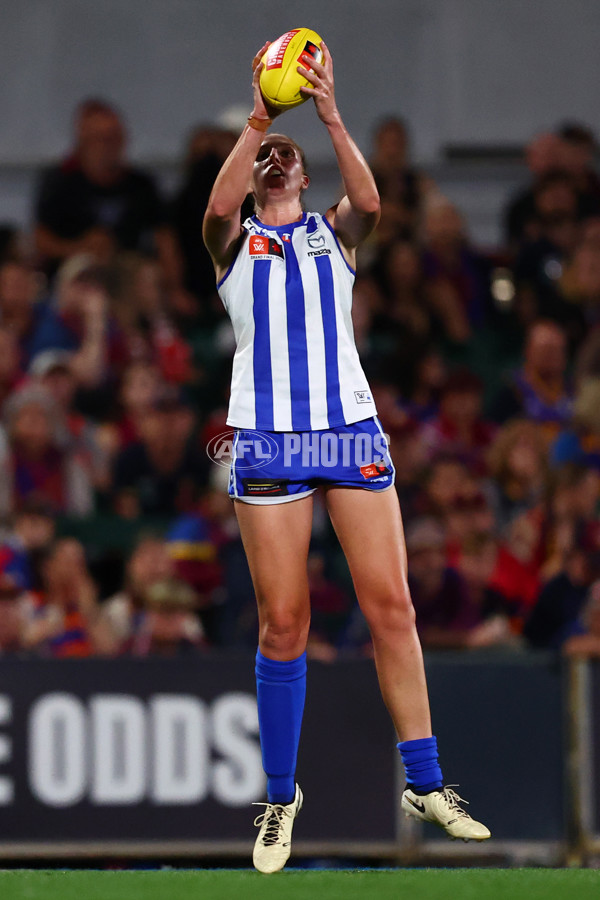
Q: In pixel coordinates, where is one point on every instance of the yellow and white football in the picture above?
(280, 83)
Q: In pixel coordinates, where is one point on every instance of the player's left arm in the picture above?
(357, 213)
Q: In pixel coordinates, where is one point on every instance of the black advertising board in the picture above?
(162, 750)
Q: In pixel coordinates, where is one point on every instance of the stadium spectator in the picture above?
(578, 149)
(63, 618)
(580, 283)
(402, 188)
(140, 389)
(195, 542)
(561, 601)
(518, 466)
(32, 531)
(402, 325)
(450, 608)
(79, 320)
(141, 309)
(330, 611)
(539, 390)
(149, 563)
(35, 460)
(543, 154)
(161, 474)
(584, 637)
(460, 429)
(11, 374)
(458, 278)
(52, 370)
(20, 308)
(168, 626)
(96, 202)
(208, 148)
(13, 617)
(10, 248)
(446, 479)
(542, 261)
(579, 440)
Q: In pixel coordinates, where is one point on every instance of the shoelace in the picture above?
(273, 819)
(454, 800)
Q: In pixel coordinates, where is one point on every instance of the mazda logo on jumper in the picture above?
(316, 241)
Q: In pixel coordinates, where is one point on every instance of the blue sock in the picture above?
(420, 760)
(280, 690)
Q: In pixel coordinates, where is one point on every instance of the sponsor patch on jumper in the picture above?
(262, 247)
(373, 470)
(324, 252)
(363, 397)
(264, 488)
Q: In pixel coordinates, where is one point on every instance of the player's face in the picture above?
(278, 168)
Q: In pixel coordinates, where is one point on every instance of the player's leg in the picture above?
(276, 539)
(369, 527)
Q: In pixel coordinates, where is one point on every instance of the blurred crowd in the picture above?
(115, 356)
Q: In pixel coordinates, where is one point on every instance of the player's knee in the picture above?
(391, 612)
(284, 634)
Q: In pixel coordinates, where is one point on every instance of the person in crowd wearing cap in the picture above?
(64, 617)
(34, 459)
(169, 626)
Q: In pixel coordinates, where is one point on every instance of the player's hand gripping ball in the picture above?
(280, 83)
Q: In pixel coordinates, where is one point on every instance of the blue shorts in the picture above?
(276, 467)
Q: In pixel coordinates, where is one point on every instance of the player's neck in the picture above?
(279, 213)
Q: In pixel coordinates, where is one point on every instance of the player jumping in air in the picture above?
(285, 277)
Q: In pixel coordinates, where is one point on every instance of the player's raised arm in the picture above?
(222, 223)
(358, 212)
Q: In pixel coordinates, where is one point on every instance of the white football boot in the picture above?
(442, 808)
(274, 842)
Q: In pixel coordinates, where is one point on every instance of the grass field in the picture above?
(223, 884)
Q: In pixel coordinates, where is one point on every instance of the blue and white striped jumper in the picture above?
(289, 296)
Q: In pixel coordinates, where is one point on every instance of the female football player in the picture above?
(285, 277)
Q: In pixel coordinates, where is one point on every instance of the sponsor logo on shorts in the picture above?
(373, 470)
(266, 488)
(363, 397)
(262, 247)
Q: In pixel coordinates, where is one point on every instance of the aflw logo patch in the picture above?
(262, 247)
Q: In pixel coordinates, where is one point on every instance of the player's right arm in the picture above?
(222, 222)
